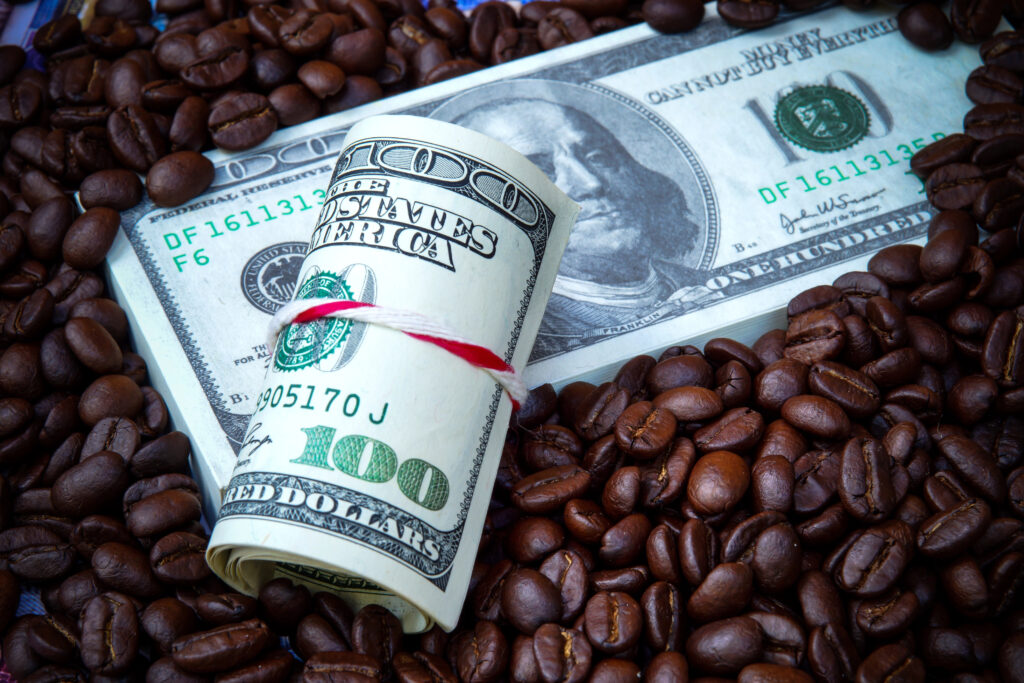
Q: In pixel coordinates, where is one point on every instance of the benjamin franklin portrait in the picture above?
(646, 228)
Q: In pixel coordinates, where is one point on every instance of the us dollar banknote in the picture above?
(719, 173)
(368, 463)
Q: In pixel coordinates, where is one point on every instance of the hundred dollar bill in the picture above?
(368, 464)
(719, 173)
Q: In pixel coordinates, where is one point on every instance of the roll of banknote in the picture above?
(368, 464)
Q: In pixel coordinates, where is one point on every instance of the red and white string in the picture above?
(411, 323)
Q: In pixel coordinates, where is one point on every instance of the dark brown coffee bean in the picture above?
(585, 520)
(889, 661)
(169, 453)
(125, 568)
(986, 121)
(110, 633)
(644, 431)
(975, 466)
(241, 122)
(324, 667)
(950, 532)
(95, 530)
(613, 622)
(482, 654)
(358, 53)
(560, 654)
(621, 492)
(179, 558)
(672, 16)
(724, 647)
(718, 482)
(135, 138)
(871, 562)
(831, 653)
(89, 237)
(529, 599)
(314, 634)
(625, 541)
(663, 554)
(666, 667)
(925, 27)
(550, 489)
(565, 570)
(724, 593)
(865, 480)
(975, 20)
(690, 403)
(110, 396)
(698, 551)
(94, 485)
(178, 177)
(304, 34)
(222, 648)
(93, 345)
(815, 336)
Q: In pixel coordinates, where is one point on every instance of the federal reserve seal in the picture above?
(822, 118)
(268, 279)
(305, 344)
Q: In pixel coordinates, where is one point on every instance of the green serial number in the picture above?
(845, 170)
(182, 243)
(311, 397)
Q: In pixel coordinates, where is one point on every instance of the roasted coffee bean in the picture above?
(613, 622)
(109, 396)
(559, 654)
(110, 633)
(125, 568)
(672, 16)
(241, 122)
(975, 466)
(717, 482)
(178, 177)
(550, 489)
(621, 492)
(644, 431)
(89, 237)
(724, 647)
(179, 558)
(690, 403)
(622, 543)
(975, 20)
(529, 599)
(869, 563)
(925, 27)
(565, 570)
(95, 530)
(865, 480)
(135, 138)
(482, 654)
(222, 648)
(698, 551)
(94, 485)
(724, 593)
(888, 659)
(314, 634)
(814, 336)
(748, 13)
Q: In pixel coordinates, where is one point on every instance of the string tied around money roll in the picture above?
(413, 324)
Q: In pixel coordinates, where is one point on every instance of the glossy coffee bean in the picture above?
(178, 177)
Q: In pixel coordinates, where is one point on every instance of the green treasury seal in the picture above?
(822, 118)
(302, 345)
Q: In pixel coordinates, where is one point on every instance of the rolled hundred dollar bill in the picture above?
(368, 465)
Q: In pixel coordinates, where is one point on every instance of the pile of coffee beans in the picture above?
(843, 500)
